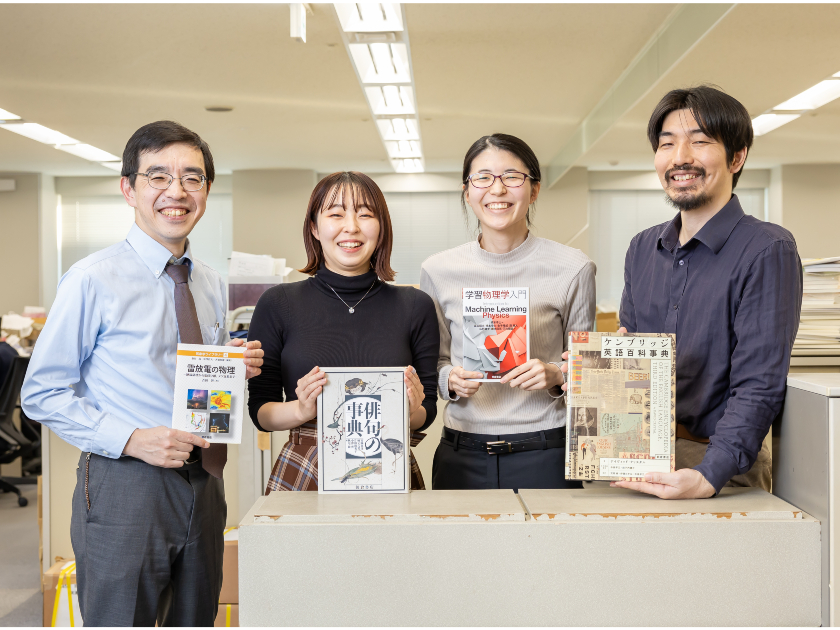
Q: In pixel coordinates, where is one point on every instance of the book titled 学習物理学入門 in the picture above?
(495, 331)
(620, 421)
(210, 392)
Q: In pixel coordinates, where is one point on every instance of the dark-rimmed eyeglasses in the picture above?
(161, 181)
(511, 179)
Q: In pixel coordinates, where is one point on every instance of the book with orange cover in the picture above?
(495, 331)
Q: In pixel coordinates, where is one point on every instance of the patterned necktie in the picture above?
(213, 459)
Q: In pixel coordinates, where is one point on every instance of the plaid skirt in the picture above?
(296, 467)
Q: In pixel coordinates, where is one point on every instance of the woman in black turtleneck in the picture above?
(344, 315)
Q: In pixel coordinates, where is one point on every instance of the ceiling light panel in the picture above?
(4, 115)
(114, 166)
(812, 98)
(37, 132)
(88, 152)
(370, 17)
(391, 100)
(377, 43)
(380, 63)
(768, 122)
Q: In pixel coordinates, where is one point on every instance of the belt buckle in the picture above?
(498, 448)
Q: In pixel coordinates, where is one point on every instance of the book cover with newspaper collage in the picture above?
(621, 419)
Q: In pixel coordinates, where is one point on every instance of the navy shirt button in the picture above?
(675, 307)
(682, 262)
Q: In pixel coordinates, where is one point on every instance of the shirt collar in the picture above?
(153, 254)
(713, 235)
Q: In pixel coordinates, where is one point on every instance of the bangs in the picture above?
(352, 191)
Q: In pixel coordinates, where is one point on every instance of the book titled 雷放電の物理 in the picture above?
(620, 421)
(210, 392)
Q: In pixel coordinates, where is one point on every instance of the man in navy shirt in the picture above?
(727, 284)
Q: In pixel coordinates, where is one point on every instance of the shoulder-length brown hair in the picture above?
(362, 190)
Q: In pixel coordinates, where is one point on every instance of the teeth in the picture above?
(498, 206)
(683, 178)
(174, 213)
(349, 245)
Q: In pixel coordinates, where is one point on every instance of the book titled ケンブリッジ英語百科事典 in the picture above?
(495, 331)
(210, 392)
(620, 421)
(363, 432)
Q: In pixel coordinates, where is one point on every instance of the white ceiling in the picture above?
(96, 72)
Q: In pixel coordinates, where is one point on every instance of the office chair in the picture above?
(13, 443)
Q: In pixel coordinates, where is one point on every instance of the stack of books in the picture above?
(819, 327)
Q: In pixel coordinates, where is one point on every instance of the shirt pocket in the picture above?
(211, 334)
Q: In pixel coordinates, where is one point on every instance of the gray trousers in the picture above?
(148, 543)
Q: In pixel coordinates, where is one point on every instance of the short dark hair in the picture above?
(504, 142)
(157, 136)
(361, 189)
(719, 116)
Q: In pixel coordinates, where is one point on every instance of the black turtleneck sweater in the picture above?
(304, 324)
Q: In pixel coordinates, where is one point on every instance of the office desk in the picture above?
(546, 557)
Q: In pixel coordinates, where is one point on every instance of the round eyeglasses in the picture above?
(161, 181)
(511, 179)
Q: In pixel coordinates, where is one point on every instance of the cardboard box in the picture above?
(228, 616)
(606, 322)
(49, 584)
(230, 568)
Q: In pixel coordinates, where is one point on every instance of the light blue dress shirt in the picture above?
(104, 365)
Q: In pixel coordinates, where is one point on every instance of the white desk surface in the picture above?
(619, 504)
(825, 384)
(424, 505)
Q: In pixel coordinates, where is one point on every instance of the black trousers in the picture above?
(464, 469)
(149, 549)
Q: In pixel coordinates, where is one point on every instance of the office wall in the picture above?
(810, 207)
(563, 211)
(19, 254)
(268, 211)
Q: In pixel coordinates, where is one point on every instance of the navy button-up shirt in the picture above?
(732, 296)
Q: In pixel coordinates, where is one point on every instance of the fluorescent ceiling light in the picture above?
(391, 100)
(408, 166)
(40, 133)
(398, 128)
(812, 98)
(768, 122)
(381, 63)
(404, 149)
(114, 166)
(4, 115)
(369, 17)
(88, 152)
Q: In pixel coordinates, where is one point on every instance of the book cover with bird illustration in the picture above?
(621, 400)
(495, 331)
(363, 433)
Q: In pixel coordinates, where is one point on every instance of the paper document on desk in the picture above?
(210, 392)
(621, 405)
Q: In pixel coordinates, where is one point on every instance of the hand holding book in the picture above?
(533, 375)
(461, 383)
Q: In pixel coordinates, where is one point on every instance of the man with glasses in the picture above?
(149, 507)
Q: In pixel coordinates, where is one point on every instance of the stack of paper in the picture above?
(819, 327)
(244, 265)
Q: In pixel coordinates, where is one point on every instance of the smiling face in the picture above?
(692, 166)
(498, 208)
(168, 216)
(348, 231)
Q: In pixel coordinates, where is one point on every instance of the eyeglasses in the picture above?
(511, 179)
(162, 181)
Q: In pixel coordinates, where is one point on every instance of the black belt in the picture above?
(538, 440)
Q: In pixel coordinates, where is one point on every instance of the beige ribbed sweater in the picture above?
(561, 282)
